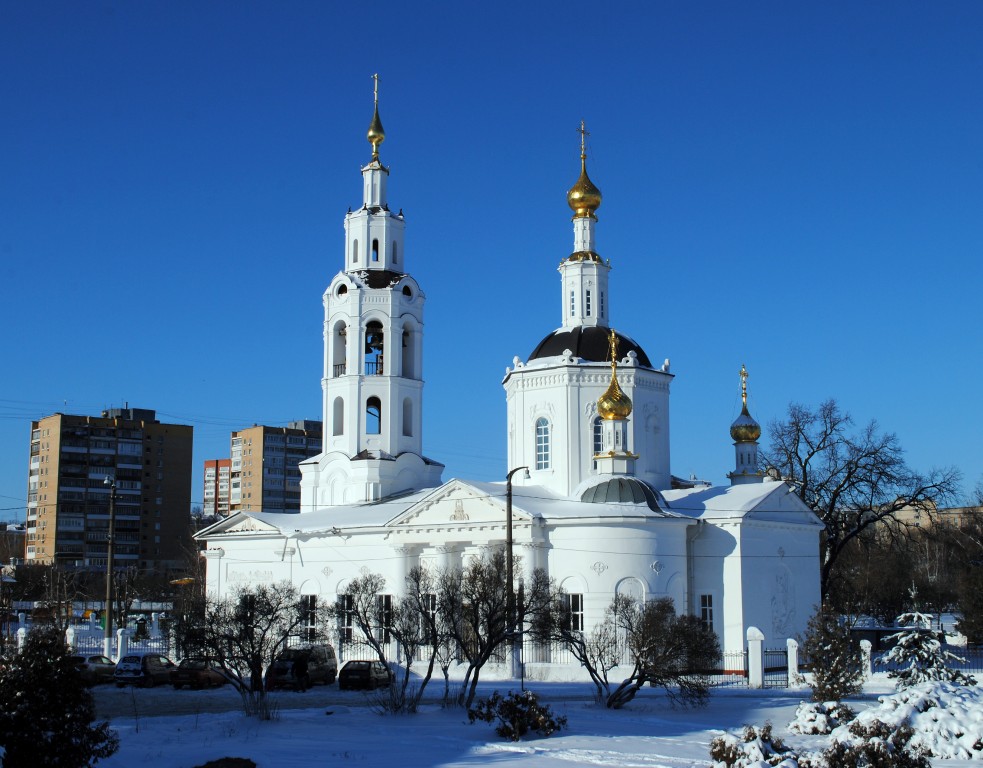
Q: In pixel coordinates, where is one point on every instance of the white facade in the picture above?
(599, 511)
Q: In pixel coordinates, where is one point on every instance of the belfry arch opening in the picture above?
(375, 349)
(339, 350)
(411, 344)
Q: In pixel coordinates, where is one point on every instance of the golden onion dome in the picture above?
(614, 405)
(376, 135)
(745, 429)
(584, 198)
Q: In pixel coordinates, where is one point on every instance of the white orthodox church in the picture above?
(593, 498)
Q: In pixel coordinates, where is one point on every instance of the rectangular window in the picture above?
(346, 612)
(308, 606)
(385, 616)
(706, 611)
(573, 303)
(601, 305)
(575, 616)
(430, 616)
(587, 304)
(542, 444)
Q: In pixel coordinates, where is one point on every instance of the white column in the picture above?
(755, 658)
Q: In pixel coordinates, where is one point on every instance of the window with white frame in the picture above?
(542, 444)
(386, 616)
(575, 612)
(573, 303)
(346, 618)
(706, 611)
(308, 605)
(429, 605)
(587, 303)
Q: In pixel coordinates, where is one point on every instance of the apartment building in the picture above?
(69, 496)
(265, 473)
(218, 484)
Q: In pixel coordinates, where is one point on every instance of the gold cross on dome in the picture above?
(743, 384)
(375, 77)
(584, 133)
(613, 345)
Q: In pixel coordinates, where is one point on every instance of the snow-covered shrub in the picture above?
(835, 659)
(751, 749)
(919, 655)
(517, 714)
(820, 717)
(946, 719)
(875, 745)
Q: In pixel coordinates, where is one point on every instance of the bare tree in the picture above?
(673, 651)
(246, 632)
(853, 480)
(474, 602)
(597, 651)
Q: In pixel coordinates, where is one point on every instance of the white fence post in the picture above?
(865, 650)
(21, 639)
(121, 644)
(793, 661)
(70, 637)
(755, 658)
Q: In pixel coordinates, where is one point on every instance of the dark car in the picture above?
(299, 668)
(146, 669)
(94, 669)
(197, 673)
(363, 674)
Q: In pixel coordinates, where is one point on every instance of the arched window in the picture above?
(395, 255)
(375, 250)
(542, 444)
(373, 416)
(598, 434)
(354, 251)
(410, 342)
(407, 418)
(338, 417)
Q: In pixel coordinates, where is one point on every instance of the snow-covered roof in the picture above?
(767, 500)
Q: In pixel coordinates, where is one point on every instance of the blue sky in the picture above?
(793, 186)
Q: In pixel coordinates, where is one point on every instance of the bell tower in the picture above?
(372, 382)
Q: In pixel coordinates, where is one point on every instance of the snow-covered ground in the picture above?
(647, 734)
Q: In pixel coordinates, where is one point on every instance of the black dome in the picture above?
(588, 342)
(622, 490)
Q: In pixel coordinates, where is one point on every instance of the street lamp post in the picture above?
(107, 638)
(510, 598)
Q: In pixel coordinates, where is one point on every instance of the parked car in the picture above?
(146, 669)
(94, 669)
(359, 673)
(321, 667)
(197, 673)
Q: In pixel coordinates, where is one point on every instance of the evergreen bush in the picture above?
(517, 715)
(46, 712)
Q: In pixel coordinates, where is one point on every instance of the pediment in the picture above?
(240, 523)
(458, 503)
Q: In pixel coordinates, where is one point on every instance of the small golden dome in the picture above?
(745, 429)
(376, 135)
(584, 198)
(614, 405)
